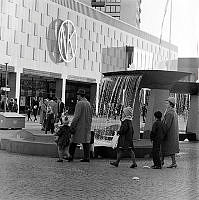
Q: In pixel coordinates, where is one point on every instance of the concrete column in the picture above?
(193, 117)
(17, 93)
(63, 95)
(156, 102)
(136, 117)
(97, 98)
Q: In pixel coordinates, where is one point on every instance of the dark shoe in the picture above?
(162, 163)
(59, 160)
(133, 166)
(84, 160)
(114, 164)
(70, 159)
(156, 167)
(66, 158)
(172, 166)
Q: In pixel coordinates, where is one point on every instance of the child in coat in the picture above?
(50, 120)
(125, 140)
(156, 136)
(63, 139)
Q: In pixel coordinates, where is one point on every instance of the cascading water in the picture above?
(116, 92)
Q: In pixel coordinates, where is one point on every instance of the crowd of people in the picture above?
(164, 136)
(11, 105)
(53, 118)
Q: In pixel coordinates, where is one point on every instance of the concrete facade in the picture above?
(28, 42)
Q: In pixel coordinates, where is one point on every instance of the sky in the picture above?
(184, 23)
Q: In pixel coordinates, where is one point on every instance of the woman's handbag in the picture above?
(114, 141)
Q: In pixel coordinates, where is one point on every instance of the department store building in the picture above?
(55, 47)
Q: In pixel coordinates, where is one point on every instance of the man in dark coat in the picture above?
(81, 126)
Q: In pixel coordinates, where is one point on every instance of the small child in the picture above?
(125, 140)
(156, 136)
(50, 120)
(63, 139)
(29, 113)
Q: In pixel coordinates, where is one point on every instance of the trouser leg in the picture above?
(119, 155)
(72, 148)
(156, 154)
(86, 147)
(132, 156)
(60, 153)
(173, 159)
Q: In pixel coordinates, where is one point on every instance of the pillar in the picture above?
(193, 117)
(156, 102)
(63, 94)
(93, 89)
(97, 98)
(17, 90)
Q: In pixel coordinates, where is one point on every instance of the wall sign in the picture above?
(67, 41)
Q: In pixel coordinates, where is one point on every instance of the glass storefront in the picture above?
(35, 86)
(71, 91)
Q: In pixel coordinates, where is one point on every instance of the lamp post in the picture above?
(6, 85)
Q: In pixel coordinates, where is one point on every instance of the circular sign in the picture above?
(67, 41)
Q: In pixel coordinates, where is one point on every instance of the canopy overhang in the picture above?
(160, 79)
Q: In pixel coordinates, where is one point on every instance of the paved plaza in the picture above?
(37, 178)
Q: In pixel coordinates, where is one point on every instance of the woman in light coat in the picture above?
(170, 144)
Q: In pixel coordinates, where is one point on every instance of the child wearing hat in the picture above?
(63, 135)
(125, 140)
(156, 136)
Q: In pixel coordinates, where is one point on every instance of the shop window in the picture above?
(80, 53)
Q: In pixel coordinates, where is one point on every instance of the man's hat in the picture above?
(81, 92)
(171, 99)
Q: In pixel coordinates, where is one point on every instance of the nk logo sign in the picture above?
(67, 41)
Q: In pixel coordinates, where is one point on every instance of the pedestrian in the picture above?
(60, 110)
(81, 126)
(63, 140)
(50, 120)
(125, 140)
(29, 113)
(170, 143)
(156, 136)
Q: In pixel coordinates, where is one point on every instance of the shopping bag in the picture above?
(114, 141)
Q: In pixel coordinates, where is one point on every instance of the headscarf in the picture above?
(128, 112)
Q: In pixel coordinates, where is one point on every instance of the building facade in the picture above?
(54, 47)
(125, 10)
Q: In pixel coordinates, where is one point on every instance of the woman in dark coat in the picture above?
(125, 140)
(170, 143)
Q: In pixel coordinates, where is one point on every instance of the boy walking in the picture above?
(157, 136)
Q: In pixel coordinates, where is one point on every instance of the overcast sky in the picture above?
(185, 23)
